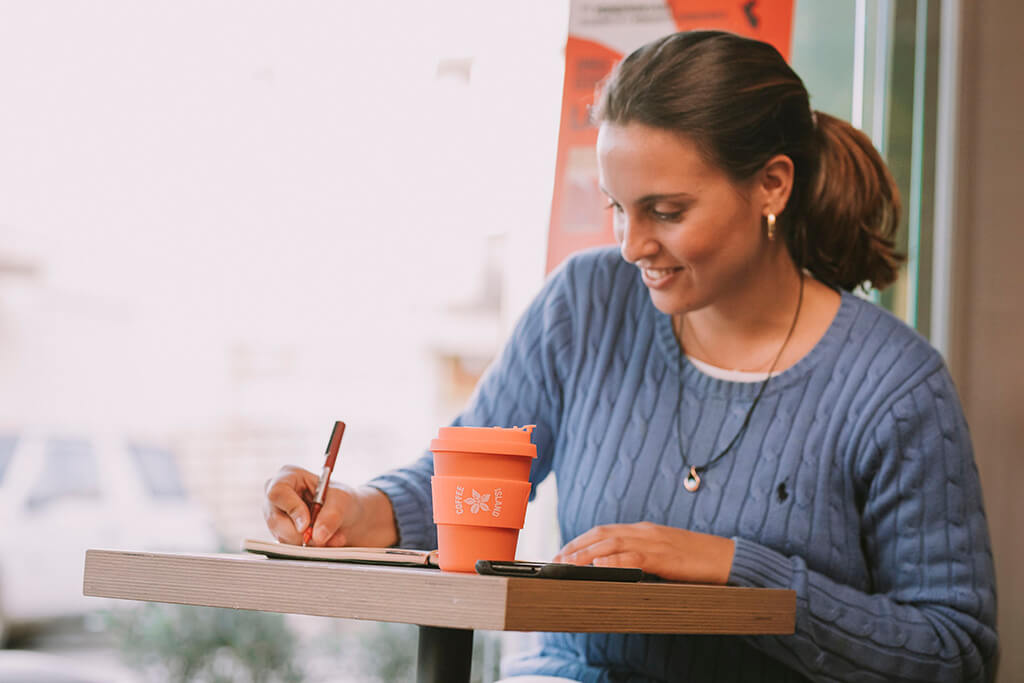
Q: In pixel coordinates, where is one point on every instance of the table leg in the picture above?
(445, 655)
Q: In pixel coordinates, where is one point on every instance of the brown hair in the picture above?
(741, 104)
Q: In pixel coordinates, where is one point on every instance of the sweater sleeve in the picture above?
(524, 385)
(930, 613)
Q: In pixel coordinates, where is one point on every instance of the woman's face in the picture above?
(695, 234)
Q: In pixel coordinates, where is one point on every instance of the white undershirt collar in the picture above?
(728, 375)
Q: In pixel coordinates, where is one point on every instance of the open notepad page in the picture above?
(397, 556)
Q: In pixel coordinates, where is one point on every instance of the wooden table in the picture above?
(447, 607)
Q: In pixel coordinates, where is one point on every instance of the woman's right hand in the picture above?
(350, 516)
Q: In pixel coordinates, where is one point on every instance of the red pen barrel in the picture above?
(307, 535)
(333, 444)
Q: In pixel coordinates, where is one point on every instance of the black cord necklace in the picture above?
(692, 481)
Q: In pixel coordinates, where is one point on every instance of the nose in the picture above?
(635, 241)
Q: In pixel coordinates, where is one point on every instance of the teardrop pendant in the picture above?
(692, 481)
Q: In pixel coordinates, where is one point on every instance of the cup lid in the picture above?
(500, 440)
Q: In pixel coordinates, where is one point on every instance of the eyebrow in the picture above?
(654, 198)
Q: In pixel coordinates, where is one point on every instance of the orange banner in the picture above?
(767, 20)
(600, 33)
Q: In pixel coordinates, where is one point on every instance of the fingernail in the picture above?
(300, 523)
(320, 535)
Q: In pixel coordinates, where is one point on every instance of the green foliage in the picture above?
(371, 652)
(486, 657)
(211, 645)
(388, 651)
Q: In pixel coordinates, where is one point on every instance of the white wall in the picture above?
(989, 314)
(250, 218)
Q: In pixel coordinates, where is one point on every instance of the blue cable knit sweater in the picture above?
(854, 485)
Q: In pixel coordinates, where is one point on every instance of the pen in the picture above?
(325, 477)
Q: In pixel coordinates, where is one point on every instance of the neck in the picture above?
(745, 330)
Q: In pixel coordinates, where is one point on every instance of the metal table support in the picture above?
(445, 655)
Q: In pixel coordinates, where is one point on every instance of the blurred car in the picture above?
(24, 666)
(60, 495)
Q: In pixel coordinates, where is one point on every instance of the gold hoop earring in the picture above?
(771, 227)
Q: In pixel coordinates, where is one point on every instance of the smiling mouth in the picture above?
(659, 273)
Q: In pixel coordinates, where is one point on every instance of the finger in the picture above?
(284, 494)
(300, 479)
(585, 539)
(282, 527)
(630, 558)
(595, 535)
(600, 548)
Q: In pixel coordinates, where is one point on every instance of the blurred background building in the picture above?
(225, 225)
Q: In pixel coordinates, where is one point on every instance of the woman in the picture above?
(718, 407)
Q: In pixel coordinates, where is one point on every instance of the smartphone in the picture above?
(555, 570)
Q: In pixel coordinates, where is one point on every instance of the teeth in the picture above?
(658, 273)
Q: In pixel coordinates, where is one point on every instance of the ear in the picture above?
(775, 183)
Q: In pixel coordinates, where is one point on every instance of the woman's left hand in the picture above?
(671, 553)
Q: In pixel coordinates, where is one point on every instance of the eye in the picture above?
(669, 217)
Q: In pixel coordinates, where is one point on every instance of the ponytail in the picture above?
(843, 232)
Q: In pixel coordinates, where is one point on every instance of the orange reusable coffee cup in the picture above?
(478, 518)
(497, 452)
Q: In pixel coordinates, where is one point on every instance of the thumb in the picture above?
(336, 517)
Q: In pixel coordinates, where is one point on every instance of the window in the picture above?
(159, 471)
(7, 444)
(70, 470)
(875, 63)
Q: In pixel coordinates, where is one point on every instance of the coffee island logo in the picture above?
(478, 502)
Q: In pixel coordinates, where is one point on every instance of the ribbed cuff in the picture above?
(756, 566)
(413, 514)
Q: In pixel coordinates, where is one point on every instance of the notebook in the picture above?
(396, 556)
